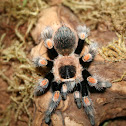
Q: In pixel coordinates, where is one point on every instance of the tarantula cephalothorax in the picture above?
(68, 69)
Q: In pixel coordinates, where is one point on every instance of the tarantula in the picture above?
(68, 69)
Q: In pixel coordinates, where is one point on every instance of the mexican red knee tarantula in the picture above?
(68, 69)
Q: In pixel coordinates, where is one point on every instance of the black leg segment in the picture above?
(52, 54)
(87, 103)
(80, 46)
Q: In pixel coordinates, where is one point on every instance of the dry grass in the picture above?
(114, 51)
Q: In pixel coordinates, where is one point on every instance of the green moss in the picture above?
(20, 16)
(114, 51)
(111, 13)
(21, 84)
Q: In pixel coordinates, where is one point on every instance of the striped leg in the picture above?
(83, 33)
(77, 95)
(47, 36)
(95, 81)
(87, 103)
(98, 82)
(54, 101)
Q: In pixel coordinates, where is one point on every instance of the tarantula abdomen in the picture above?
(64, 40)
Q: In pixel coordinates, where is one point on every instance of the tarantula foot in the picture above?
(103, 84)
(78, 103)
(108, 84)
(40, 61)
(77, 99)
(92, 120)
(83, 32)
(64, 96)
(48, 119)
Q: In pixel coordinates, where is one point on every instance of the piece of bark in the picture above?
(107, 105)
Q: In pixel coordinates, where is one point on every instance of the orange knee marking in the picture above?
(44, 82)
(43, 62)
(87, 57)
(92, 80)
(82, 35)
(49, 43)
(56, 95)
(86, 100)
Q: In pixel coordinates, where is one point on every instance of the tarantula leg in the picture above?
(87, 103)
(83, 33)
(64, 91)
(54, 102)
(89, 109)
(77, 96)
(41, 62)
(43, 84)
(98, 82)
(89, 56)
(46, 35)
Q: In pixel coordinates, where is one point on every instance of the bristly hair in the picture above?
(47, 33)
(83, 29)
(64, 40)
